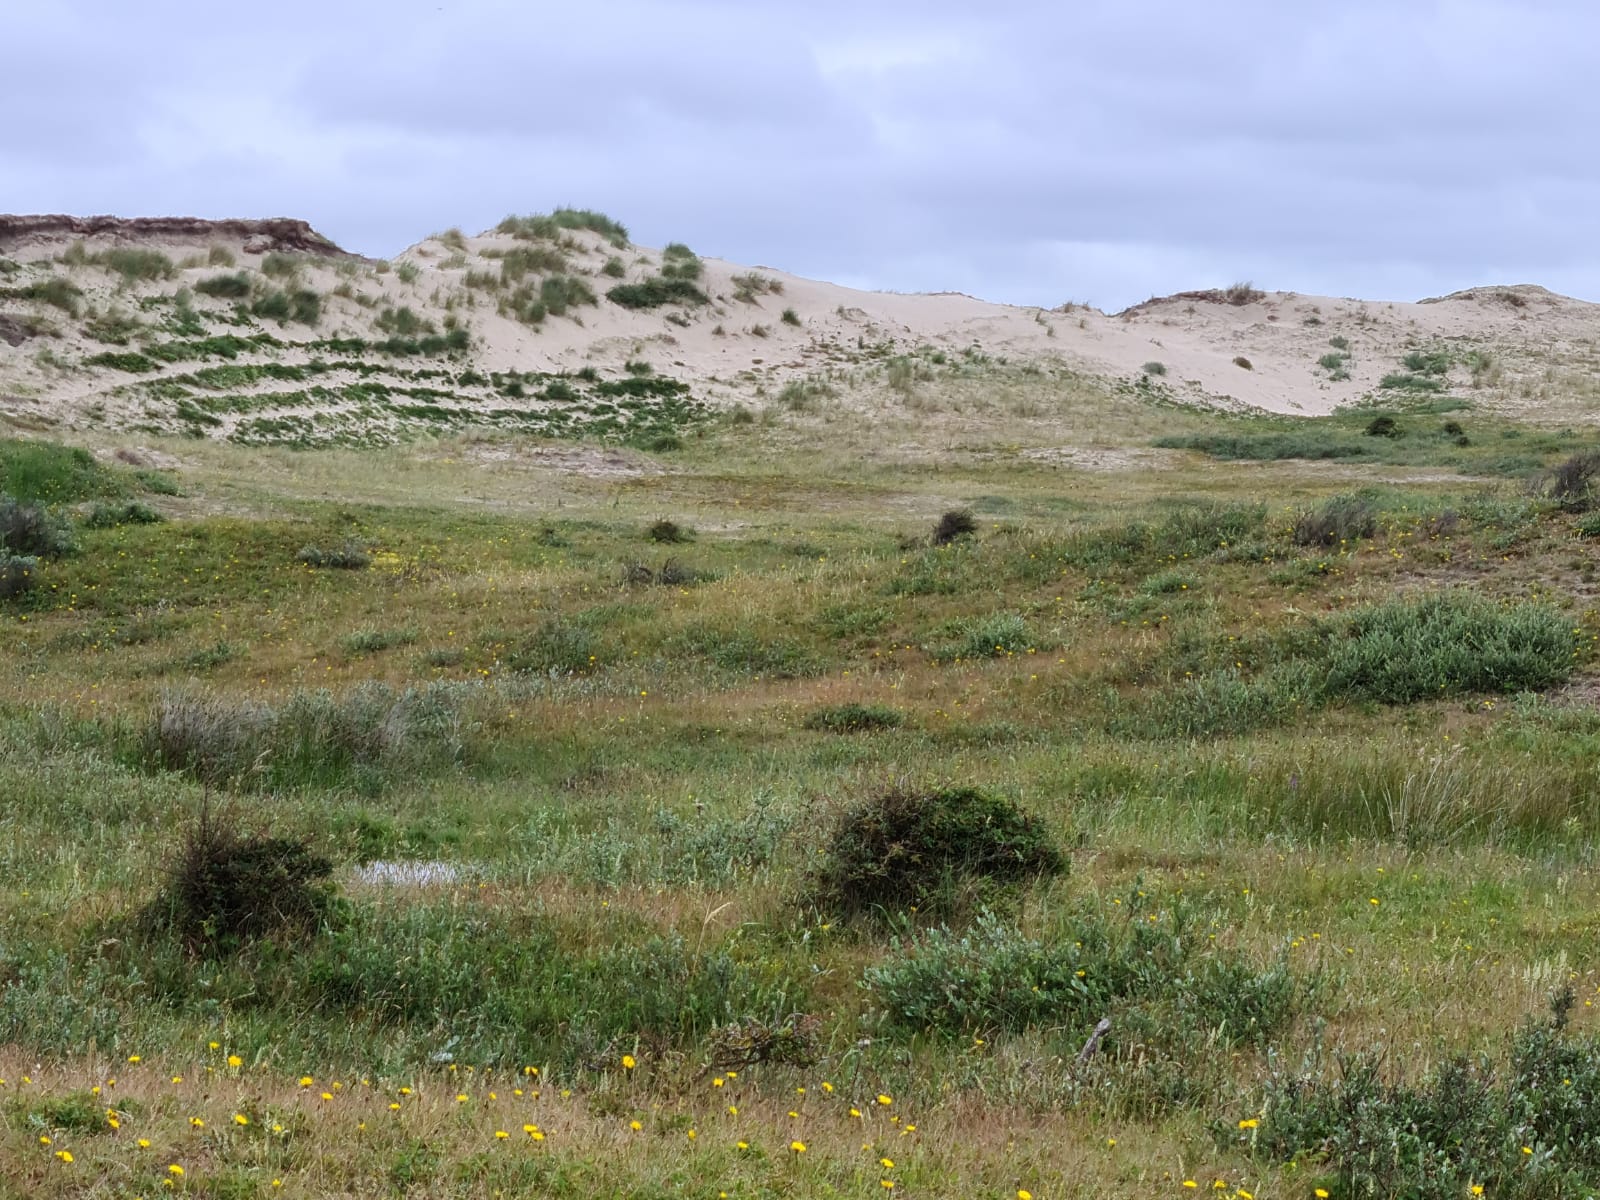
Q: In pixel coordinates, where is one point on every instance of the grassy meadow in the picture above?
(469, 818)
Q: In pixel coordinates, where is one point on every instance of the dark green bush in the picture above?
(853, 718)
(274, 306)
(225, 888)
(225, 287)
(669, 532)
(907, 847)
(1383, 425)
(957, 523)
(656, 291)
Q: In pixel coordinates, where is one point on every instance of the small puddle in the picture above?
(409, 873)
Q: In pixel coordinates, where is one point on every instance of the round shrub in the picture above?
(907, 847)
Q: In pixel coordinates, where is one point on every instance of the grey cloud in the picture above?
(1032, 151)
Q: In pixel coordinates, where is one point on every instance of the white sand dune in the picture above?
(1515, 346)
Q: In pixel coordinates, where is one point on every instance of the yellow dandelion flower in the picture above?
(1189, 1183)
(797, 1146)
(64, 1155)
(1024, 1194)
(461, 1097)
(197, 1122)
(240, 1119)
(174, 1169)
(394, 1106)
(1321, 1194)
(886, 1163)
(501, 1135)
(44, 1139)
(635, 1126)
(885, 1100)
(1249, 1123)
(855, 1112)
(235, 1061)
(133, 1058)
(327, 1095)
(743, 1145)
(628, 1062)
(144, 1143)
(305, 1081)
(693, 1135)
(733, 1110)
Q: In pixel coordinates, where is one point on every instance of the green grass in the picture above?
(1264, 805)
(655, 292)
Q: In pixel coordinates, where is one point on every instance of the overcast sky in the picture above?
(1033, 151)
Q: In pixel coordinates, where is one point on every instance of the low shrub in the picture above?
(957, 523)
(1514, 1123)
(853, 718)
(1154, 368)
(31, 530)
(1448, 644)
(106, 516)
(1383, 425)
(557, 647)
(1571, 482)
(791, 1041)
(910, 847)
(655, 292)
(347, 556)
(790, 317)
(1337, 521)
(992, 636)
(669, 532)
(1148, 970)
(135, 264)
(225, 287)
(19, 574)
(1243, 362)
(226, 888)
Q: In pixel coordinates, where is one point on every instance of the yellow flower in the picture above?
(693, 1135)
(826, 1086)
(888, 1183)
(744, 1145)
(886, 1163)
(64, 1155)
(885, 1100)
(144, 1143)
(628, 1063)
(174, 1169)
(797, 1146)
(133, 1058)
(305, 1081)
(44, 1139)
(1477, 1189)
(1189, 1183)
(1249, 1123)
(1024, 1194)
(235, 1061)
(197, 1122)
(1321, 1194)
(635, 1126)
(501, 1135)
(855, 1112)
(461, 1097)
(240, 1119)
(394, 1106)
(733, 1110)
